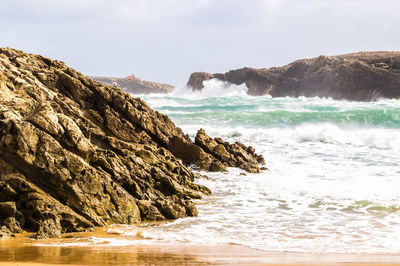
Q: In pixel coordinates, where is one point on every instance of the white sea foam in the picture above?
(102, 242)
(287, 211)
(212, 88)
(332, 185)
(376, 138)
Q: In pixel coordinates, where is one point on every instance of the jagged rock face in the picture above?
(233, 155)
(75, 153)
(363, 76)
(136, 86)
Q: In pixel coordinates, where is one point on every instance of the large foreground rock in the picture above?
(75, 153)
(363, 76)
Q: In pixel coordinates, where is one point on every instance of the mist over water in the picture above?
(333, 183)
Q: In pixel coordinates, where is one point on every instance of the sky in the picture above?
(167, 40)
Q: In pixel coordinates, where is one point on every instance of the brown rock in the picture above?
(7, 193)
(48, 228)
(5, 233)
(13, 225)
(7, 209)
(149, 211)
(363, 76)
(229, 155)
(194, 154)
(75, 153)
(171, 210)
(197, 78)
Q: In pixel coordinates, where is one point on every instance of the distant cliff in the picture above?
(362, 76)
(136, 86)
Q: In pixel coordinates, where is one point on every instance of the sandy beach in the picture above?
(161, 263)
(24, 251)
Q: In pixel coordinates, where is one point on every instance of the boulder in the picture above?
(231, 155)
(13, 225)
(7, 209)
(5, 233)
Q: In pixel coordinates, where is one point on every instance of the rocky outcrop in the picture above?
(136, 85)
(75, 153)
(233, 155)
(363, 76)
(196, 80)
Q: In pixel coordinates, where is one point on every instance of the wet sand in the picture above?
(27, 252)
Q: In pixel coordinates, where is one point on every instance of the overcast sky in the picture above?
(166, 40)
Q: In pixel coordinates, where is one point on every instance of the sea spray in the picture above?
(212, 88)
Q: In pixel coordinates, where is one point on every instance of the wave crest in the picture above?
(212, 88)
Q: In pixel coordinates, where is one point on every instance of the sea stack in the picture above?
(76, 153)
(363, 76)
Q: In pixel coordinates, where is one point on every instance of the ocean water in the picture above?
(333, 183)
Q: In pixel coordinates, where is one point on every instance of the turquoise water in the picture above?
(270, 112)
(263, 119)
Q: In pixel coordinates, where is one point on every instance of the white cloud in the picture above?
(272, 5)
(165, 40)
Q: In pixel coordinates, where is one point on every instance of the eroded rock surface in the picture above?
(232, 155)
(363, 76)
(75, 153)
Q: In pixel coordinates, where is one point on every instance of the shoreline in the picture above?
(28, 252)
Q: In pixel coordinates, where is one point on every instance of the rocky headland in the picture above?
(135, 85)
(76, 153)
(363, 76)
